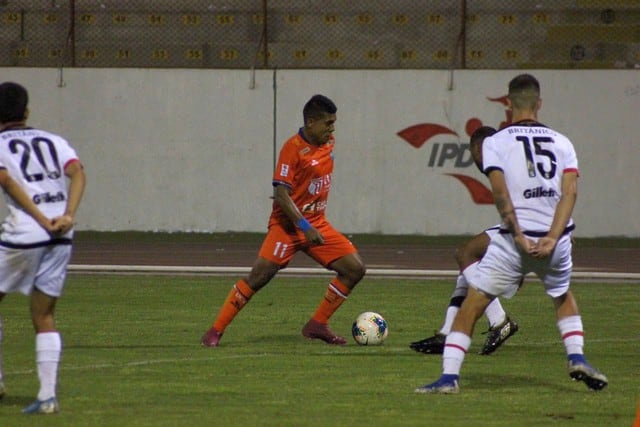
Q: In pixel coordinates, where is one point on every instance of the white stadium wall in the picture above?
(193, 150)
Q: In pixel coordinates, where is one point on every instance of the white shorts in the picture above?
(42, 267)
(462, 284)
(501, 269)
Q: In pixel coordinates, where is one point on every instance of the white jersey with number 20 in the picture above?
(36, 160)
(533, 158)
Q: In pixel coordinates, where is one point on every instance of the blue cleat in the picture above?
(580, 370)
(447, 384)
(49, 406)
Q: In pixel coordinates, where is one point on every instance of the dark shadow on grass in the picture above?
(288, 338)
(353, 348)
(269, 340)
(297, 340)
(494, 382)
(128, 346)
(17, 400)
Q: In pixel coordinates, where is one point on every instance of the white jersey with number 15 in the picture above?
(533, 159)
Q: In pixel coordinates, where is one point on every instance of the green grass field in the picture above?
(132, 358)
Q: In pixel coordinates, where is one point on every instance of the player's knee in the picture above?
(356, 271)
(258, 280)
(43, 322)
(362, 270)
(261, 273)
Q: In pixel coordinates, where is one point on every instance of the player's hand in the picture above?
(524, 243)
(313, 236)
(48, 226)
(62, 224)
(544, 247)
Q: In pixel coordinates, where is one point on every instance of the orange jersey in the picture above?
(306, 169)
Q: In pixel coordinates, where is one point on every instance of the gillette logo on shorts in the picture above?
(284, 170)
(533, 193)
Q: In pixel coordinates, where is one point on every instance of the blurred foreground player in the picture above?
(301, 181)
(35, 241)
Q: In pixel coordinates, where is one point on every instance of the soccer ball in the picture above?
(369, 329)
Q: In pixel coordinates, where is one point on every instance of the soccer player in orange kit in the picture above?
(301, 181)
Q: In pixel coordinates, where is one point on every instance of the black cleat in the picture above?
(497, 335)
(431, 345)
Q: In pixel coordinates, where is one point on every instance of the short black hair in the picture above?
(13, 102)
(317, 106)
(480, 134)
(475, 144)
(524, 91)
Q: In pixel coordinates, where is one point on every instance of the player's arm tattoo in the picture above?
(503, 203)
(507, 213)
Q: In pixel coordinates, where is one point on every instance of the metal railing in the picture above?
(359, 34)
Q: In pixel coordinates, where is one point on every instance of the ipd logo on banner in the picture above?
(454, 153)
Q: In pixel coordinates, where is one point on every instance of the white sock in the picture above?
(495, 313)
(455, 348)
(452, 310)
(460, 291)
(572, 334)
(48, 350)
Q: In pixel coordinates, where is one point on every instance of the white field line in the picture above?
(213, 358)
(371, 272)
(64, 367)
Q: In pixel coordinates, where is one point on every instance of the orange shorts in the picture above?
(281, 244)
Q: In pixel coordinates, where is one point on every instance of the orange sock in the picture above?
(335, 296)
(636, 423)
(238, 297)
